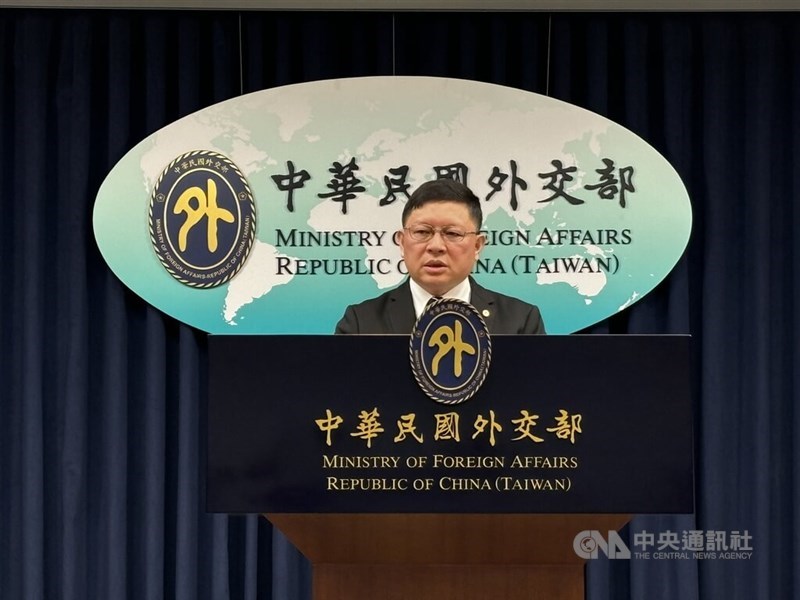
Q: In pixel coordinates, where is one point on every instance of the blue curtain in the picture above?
(102, 397)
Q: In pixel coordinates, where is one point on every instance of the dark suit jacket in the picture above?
(393, 312)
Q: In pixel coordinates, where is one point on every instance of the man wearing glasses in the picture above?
(440, 242)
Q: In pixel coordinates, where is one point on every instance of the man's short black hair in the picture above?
(449, 190)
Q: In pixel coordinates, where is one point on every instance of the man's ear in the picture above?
(397, 237)
(480, 242)
(400, 241)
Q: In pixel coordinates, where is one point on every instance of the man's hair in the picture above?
(441, 190)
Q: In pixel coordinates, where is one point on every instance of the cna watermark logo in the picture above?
(589, 544)
(690, 544)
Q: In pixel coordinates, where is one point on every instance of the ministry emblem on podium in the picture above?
(450, 351)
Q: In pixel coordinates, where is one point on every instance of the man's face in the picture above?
(439, 265)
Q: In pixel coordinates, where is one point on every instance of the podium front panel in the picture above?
(338, 424)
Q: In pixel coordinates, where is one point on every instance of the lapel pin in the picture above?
(485, 312)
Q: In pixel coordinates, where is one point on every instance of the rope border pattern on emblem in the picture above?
(423, 383)
(252, 234)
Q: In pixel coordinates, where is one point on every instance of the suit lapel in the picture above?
(483, 300)
(400, 314)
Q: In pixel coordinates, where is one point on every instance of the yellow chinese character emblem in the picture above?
(328, 424)
(406, 427)
(481, 423)
(566, 426)
(447, 427)
(449, 340)
(368, 427)
(524, 424)
(204, 205)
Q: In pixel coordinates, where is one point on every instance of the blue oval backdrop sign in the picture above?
(294, 221)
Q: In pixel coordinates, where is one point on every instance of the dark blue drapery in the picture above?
(101, 412)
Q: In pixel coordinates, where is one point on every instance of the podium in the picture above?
(392, 495)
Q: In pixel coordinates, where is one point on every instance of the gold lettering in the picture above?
(206, 207)
(567, 426)
(369, 427)
(328, 424)
(524, 425)
(448, 341)
(480, 425)
(447, 427)
(406, 427)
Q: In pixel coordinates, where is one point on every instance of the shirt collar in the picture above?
(462, 291)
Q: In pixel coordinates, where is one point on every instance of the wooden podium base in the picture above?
(448, 582)
(444, 556)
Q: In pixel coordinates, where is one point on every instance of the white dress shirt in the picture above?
(462, 291)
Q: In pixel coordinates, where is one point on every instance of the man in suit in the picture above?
(440, 242)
